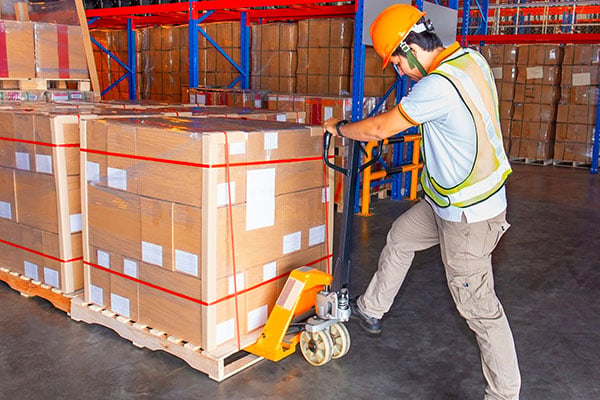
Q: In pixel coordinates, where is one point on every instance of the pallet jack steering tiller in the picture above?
(313, 305)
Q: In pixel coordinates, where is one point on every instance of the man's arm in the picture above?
(377, 127)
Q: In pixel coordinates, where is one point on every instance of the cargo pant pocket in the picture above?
(474, 295)
(495, 230)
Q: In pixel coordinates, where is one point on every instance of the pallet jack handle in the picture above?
(341, 268)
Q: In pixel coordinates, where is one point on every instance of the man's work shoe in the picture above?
(369, 324)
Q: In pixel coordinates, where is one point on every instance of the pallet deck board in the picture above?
(215, 365)
(29, 288)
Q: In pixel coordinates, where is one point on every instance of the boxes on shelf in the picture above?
(324, 56)
(576, 115)
(213, 214)
(537, 91)
(274, 57)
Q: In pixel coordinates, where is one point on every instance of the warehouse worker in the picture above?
(455, 103)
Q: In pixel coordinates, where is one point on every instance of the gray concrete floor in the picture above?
(547, 272)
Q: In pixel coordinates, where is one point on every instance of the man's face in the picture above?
(400, 64)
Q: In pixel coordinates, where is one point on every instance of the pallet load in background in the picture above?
(503, 62)
(537, 91)
(576, 117)
(191, 225)
(324, 51)
(377, 80)
(274, 57)
(42, 48)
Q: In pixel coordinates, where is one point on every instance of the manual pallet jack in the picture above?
(313, 305)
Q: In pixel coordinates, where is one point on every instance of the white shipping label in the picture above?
(237, 148)
(327, 113)
(22, 160)
(257, 317)
(186, 262)
(326, 195)
(201, 99)
(152, 253)
(117, 178)
(130, 268)
(316, 235)
(43, 163)
(31, 270)
(583, 79)
(292, 242)
(257, 103)
(223, 193)
(96, 295)
(239, 282)
(5, 210)
(119, 304)
(269, 271)
(535, 72)
(51, 277)
(93, 171)
(497, 71)
(76, 223)
(260, 198)
(271, 140)
(225, 331)
(281, 117)
(103, 258)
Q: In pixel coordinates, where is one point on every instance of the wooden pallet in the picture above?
(217, 365)
(30, 288)
(531, 161)
(43, 84)
(572, 164)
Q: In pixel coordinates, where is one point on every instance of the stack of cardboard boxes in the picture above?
(537, 91)
(576, 117)
(324, 56)
(216, 70)
(274, 57)
(40, 212)
(192, 224)
(503, 62)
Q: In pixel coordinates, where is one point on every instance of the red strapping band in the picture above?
(39, 253)
(183, 296)
(40, 143)
(62, 36)
(230, 210)
(200, 165)
(3, 51)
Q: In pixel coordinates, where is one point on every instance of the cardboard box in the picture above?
(59, 52)
(539, 54)
(580, 75)
(18, 58)
(581, 54)
(545, 75)
(325, 32)
(274, 37)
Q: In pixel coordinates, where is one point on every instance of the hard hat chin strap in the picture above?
(411, 58)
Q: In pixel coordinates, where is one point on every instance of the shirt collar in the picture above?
(454, 47)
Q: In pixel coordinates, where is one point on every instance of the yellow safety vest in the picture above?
(471, 77)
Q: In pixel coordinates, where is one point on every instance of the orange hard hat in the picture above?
(391, 27)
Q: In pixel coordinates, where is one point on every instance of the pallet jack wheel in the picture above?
(316, 347)
(340, 338)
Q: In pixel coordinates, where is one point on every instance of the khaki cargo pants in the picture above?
(466, 253)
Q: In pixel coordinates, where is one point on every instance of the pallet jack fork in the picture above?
(313, 305)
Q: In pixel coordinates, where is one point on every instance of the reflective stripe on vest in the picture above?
(471, 77)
